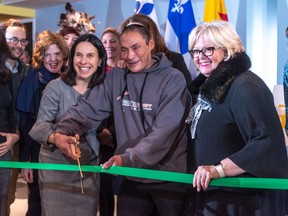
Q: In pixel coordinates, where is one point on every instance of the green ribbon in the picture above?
(259, 183)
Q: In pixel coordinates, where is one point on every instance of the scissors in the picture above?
(78, 155)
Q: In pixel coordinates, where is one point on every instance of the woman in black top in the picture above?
(235, 129)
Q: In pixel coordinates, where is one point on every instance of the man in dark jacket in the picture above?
(15, 34)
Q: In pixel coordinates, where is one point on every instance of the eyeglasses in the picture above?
(207, 51)
(15, 41)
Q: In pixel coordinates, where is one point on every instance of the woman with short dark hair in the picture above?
(70, 193)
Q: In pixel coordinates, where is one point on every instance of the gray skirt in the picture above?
(60, 191)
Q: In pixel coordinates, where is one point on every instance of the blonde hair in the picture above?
(44, 40)
(221, 34)
(112, 31)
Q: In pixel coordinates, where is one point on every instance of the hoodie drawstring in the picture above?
(140, 101)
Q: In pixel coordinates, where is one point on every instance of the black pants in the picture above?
(106, 196)
(13, 178)
(4, 182)
(139, 199)
(34, 200)
(224, 201)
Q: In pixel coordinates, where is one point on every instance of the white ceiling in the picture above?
(34, 4)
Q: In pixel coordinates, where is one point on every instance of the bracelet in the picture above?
(220, 170)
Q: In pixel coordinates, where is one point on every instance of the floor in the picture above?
(19, 207)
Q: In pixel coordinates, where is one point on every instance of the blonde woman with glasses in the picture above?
(234, 129)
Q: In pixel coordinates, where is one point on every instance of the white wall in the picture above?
(262, 39)
(107, 13)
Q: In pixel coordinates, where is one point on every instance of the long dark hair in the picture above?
(4, 54)
(69, 77)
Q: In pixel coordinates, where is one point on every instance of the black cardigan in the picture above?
(243, 124)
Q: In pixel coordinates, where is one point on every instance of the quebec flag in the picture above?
(180, 23)
(147, 7)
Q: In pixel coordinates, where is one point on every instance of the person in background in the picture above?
(143, 98)
(25, 58)
(111, 41)
(61, 191)
(285, 87)
(235, 129)
(70, 35)
(285, 90)
(16, 39)
(106, 132)
(49, 58)
(160, 46)
(8, 123)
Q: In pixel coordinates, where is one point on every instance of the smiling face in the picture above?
(53, 59)
(16, 32)
(112, 45)
(136, 51)
(206, 64)
(85, 60)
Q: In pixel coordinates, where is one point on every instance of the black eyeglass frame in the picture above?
(203, 51)
(15, 41)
